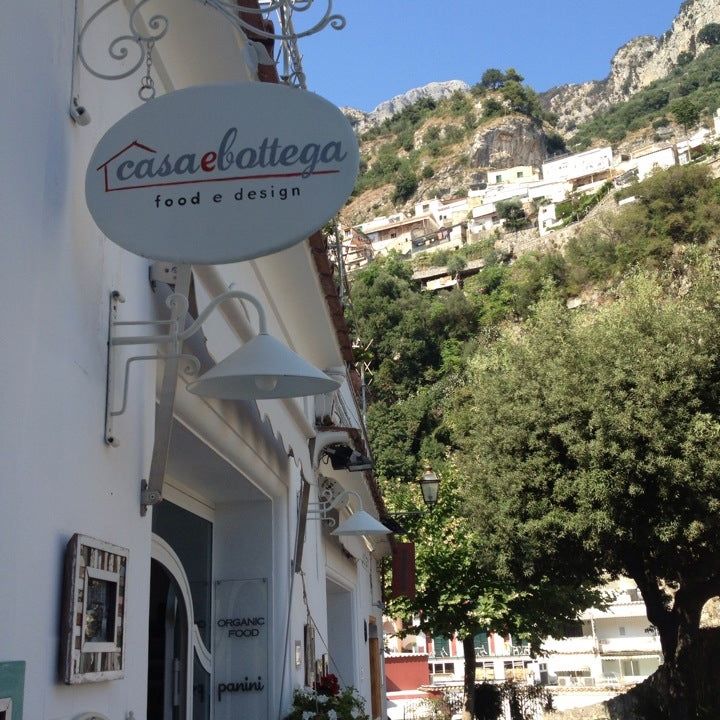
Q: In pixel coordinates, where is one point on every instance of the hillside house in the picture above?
(547, 218)
(513, 175)
(438, 278)
(398, 235)
(445, 238)
(357, 251)
(582, 168)
(553, 190)
(647, 161)
(498, 193)
(485, 218)
(444, 212)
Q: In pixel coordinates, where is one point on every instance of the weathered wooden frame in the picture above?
(83, 661)
(6, 707)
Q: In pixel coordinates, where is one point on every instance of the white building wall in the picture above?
(578, 165)
(57, 477)
(659, 160)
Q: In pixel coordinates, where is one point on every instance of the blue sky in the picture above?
(390, 46)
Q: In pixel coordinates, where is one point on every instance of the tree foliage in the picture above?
(512, 212)
(567, 441)
(686, 112)
(695, 78)
(492, 79)
(406, 329)
(591, 445)
(710, 34)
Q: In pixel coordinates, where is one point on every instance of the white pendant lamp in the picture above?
(361, 523)
(263, 368)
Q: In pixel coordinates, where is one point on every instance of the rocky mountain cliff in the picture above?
(363, 121)
(506, 142)
(634, 66)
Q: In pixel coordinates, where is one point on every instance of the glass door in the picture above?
(167, 647)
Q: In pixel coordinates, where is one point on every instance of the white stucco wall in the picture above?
(57, 476)
(578, 165)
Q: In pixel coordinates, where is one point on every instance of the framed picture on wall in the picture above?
(12, 689)
(94, 590)
(309, 656)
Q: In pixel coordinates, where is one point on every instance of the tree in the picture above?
(407, 328)
(512, 212)
(685, 58)
(459, 588)
(512, 75)
(555, 143)
(492, 79)
(492, 108)
(710, 34)
(405, 185)
(522, 99)
(455, 265)
(686, 112)
(592, 443)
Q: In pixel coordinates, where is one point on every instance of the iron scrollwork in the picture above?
(137, 39)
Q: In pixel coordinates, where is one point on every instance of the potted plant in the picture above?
(327, 702)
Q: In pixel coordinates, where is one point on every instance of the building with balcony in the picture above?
(611, 647)
(397, 234)
(580, 168)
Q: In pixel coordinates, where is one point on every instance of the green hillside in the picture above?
(691, 91)
(410, 146)
(573, 445)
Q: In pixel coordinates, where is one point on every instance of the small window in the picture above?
(441, 645)
(498, 178)
(630, 667)
(621, 630)
(520, 173)
(393, 234)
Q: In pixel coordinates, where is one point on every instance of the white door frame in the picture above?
(167, 557)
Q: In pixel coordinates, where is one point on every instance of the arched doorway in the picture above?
(168, 641)
(179, 663)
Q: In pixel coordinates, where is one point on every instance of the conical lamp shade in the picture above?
(361, 523)
(263, 368)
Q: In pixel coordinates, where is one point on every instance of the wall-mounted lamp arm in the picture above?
(179, 306)
(178, 336)
(324, 506)
(229, 295)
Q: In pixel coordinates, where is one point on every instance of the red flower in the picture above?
(327, 685)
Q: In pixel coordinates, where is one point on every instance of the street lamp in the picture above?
(429, 485)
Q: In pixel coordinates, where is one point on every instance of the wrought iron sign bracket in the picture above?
(130, 49)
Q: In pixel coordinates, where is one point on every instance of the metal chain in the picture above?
(147, 84)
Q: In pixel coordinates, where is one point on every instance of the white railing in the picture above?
(630, 644)
(570, 646)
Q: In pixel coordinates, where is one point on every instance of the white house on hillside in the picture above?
(513, 175)
(581, 168)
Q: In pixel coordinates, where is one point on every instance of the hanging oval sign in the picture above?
(222, 173)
